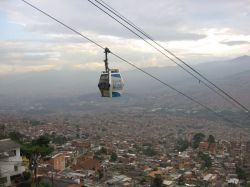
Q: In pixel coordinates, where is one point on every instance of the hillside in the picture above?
(233, 76)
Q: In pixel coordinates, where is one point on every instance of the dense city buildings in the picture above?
(131, 149)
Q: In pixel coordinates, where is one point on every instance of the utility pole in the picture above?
(34, 167)
(241, 151)
(1, 181)
(52, 178)
(36, 172)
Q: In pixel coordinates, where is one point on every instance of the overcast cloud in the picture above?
(197, 31)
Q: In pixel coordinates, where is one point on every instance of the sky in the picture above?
(196, 31)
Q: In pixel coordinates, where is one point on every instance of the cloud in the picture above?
(194, 30)
(90, 66)
(231, 43)
(6, 69)
(26, 53)
(165, 20)
(169, 26)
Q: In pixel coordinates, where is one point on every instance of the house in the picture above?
(59, 182)
(203, 146)
(154, 173)
(168, 183)
(10, 162)
(120, 180)
(234, 182)
(209, 179)
(86, 163)
(206, 146)
(58, 162)
(81, 147)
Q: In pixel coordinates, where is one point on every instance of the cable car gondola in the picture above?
(110, 83)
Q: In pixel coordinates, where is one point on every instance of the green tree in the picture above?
(38, 146)
(181, 180)
(206, 159)
(103, 150)
(241, 173)
(98, 156)
(100, 174)
(24, 184)
(26, 175)
(59, 140)
(42, 140)
(27, 150)
(44, 184)
(16, 137)
(143, 181)
(27, 180)
(149, 151)
(77, 131)
(211, 139)
(2, 136)
(182, 144)
(197, 138)
(157, 181)
(113, 157)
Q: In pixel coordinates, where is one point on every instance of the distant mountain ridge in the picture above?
(232, 75)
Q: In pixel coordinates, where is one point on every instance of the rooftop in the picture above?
(8, 145)
(233, 181)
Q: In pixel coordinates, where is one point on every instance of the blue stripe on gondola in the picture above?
(116, 75)
(116, 94)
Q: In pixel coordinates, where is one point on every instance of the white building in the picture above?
(10, 161)
(234, 182)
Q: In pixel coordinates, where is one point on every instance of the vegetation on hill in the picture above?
(198, 137)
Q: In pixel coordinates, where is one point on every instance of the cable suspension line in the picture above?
(131, 64)
(226, 96)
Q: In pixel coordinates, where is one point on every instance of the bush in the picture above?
(26, 175)
(182, 145)
(113, 157)
(149, 152)
(198, 137)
